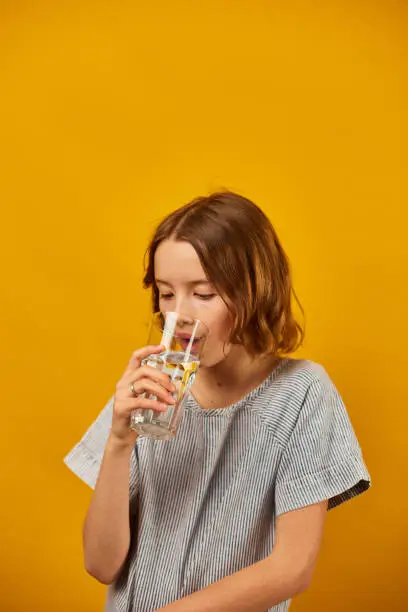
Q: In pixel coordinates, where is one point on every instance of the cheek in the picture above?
(219, 323)
(222, 329)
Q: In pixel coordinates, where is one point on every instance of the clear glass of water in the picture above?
(184, 338)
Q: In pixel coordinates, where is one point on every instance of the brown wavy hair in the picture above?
(244, 259)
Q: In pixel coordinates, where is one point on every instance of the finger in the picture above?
(148, 372)
(140, 354)
(142, 403)
(145, 385)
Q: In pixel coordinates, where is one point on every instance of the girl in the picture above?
(228, 516)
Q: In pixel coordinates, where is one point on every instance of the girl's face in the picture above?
(184, 287)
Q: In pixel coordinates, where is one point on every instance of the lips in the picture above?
(185, 341)
(185, 336)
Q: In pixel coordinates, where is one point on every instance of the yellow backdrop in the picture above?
(114, 113)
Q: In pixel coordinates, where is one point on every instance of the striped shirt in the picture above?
(204, 504)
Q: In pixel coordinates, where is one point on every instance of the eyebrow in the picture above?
(191, 283)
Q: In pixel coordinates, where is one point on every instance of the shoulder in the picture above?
(296, 383)
(295, 377)
(302, 369)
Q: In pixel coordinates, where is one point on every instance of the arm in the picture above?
(286, 572)
(106, 533)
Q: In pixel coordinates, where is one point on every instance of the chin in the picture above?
(215, 358)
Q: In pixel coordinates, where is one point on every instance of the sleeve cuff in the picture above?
(337, 484)
(82, 463)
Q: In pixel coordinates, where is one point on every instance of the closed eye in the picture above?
(207, 296)
(202, 296)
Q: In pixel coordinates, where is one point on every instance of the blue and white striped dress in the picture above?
(204, 504)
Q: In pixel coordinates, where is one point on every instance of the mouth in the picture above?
(185, 341)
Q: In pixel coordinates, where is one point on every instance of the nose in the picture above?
(184, 307)
(180, 301)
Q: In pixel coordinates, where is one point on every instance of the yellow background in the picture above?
(112, 114)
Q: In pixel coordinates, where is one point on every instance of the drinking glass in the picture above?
(183, 338)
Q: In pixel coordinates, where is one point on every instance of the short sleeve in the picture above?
(322, 459)
(86, 456)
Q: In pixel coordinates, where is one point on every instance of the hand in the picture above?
(144, 379)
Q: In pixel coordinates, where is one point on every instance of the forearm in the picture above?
(106, 534)
(253, 589)
(286, 572)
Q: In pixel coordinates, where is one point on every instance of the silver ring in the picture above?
(132, 389)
